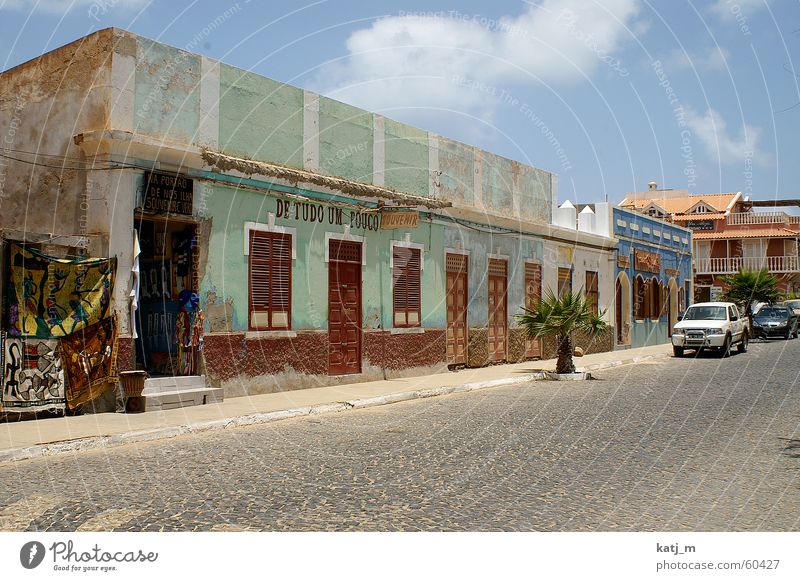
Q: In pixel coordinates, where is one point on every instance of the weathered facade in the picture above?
(326, 244)
(653, 282)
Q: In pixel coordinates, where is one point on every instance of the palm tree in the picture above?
(747, 286)
(560, 317)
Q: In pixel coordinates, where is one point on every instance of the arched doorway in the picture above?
(622, 306)
(673, 305)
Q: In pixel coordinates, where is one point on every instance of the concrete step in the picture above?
(156, 385)
(181, 398)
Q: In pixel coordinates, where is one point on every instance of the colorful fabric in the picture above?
(33, 378)
(89, 357)
(51, 297)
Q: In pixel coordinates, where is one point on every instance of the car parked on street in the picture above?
(775, 321)
(793, 304)
(715, 325)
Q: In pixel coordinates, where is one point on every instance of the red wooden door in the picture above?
(344, 308)
(533, 294)
(498, 322)
(456, 285)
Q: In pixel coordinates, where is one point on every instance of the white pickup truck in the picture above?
(711, 325)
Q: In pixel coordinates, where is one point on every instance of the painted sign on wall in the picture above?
(704, 225)
(646, 261)
(167, 194)
(311, 212)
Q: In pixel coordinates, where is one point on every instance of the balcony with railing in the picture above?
(732, 265)
(761, 218)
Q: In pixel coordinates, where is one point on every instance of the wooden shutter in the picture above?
(592, 292)
(533, 294)
(640, 298)
(406, 286)
(533, 284)
(270, 280)
(564, 281)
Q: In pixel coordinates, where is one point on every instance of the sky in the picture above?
(608, 94)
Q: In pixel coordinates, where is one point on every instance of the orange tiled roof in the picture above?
(687, 217)
(750, 233)
(680, 205)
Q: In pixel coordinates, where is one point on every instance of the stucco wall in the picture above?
(260, 118)
(43, 104)
(225, 275)
(188, 99)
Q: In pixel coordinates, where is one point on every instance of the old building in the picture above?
(271, 238)
(729, 235)
(653, 284)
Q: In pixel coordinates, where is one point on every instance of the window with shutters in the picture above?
(655, 299)
(406, 286)
(592, 295)
(564, 281)
(270, 265)
(640, 298)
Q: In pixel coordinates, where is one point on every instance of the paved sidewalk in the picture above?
(30, 439)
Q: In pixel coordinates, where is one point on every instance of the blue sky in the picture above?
(609, 94)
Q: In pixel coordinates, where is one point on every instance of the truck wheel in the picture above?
(726, 347)
(742, 348)
(677, 351)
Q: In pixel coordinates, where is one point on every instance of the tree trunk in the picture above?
(565, 363)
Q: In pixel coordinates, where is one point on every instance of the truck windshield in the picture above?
(705, 314)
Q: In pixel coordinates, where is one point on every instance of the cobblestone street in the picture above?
(677, 444)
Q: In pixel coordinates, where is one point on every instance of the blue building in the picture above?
(653, 277)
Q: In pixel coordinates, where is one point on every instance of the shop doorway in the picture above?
(167, 321)
(622, 308)
(344, 307)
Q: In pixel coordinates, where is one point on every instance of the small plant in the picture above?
(560, 317)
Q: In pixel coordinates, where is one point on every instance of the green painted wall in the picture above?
(480, 245)
(457, 163)
(167, 93)
(497, 184)
(260, 118)
(535, 194)
(226, 268)
(345, 141)
(406, 152)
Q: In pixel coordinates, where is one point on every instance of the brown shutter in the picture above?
(270, 280)
(591, 291)
(406, 286)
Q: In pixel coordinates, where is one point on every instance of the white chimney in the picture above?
(652, 186)
(586, 220)
(566, 215)
(602, 219)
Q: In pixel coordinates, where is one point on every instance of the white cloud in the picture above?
(460, 62)
(735, 9)
(708, 60)
(93, 7)
(712, 131)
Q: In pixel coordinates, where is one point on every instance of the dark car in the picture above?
(793, 304)
(775, 321)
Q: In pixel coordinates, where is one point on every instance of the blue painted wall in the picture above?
(672, 243)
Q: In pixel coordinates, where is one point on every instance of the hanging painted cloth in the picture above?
(33, 379)
(52, 297)
(89, 357)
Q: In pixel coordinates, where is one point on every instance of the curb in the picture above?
(97, 442)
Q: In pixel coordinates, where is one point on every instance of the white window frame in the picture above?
(270, 227)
